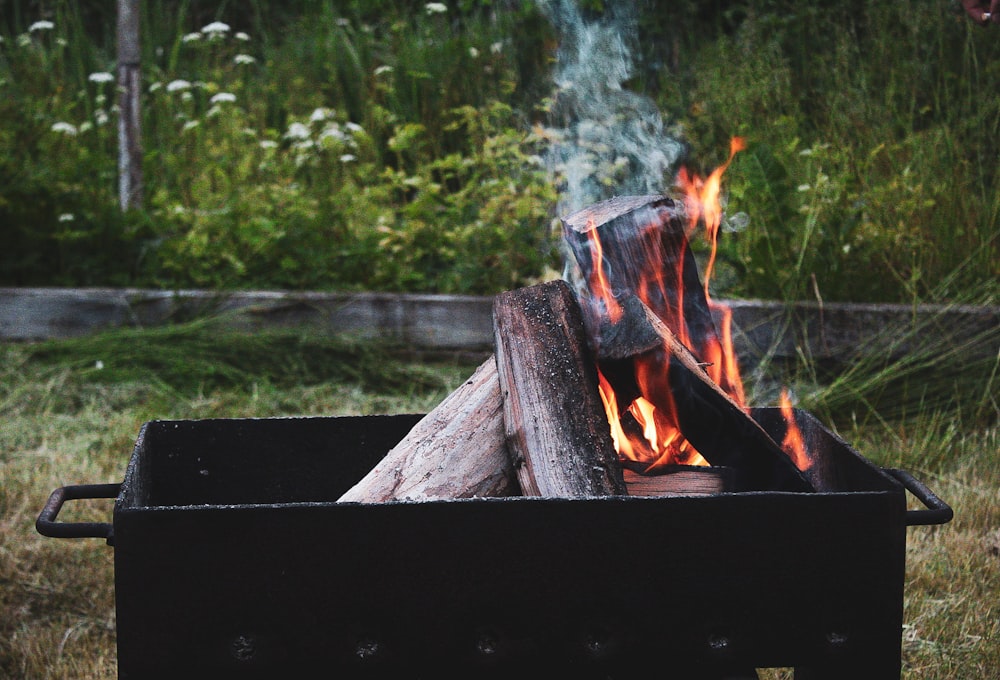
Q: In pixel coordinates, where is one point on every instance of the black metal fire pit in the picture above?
(233, 560)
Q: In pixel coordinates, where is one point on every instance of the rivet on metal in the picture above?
(596, 643)
(486, 644)
(835, 639)
(718, 643)
(243, 648)
(367, 649)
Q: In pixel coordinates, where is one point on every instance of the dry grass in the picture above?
(57, 599)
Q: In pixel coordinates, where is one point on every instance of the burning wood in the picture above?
(639, 283)
(628, 372)
(708, 417)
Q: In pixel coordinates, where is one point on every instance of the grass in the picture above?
(66, 422)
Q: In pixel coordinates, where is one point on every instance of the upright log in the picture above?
(639, 244)
(650, 325)
(455, 451)
(556, 429)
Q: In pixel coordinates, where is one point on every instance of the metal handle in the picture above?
(938, 512)
(47, 525)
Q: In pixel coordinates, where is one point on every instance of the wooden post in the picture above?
(129, 86)
(556, 428)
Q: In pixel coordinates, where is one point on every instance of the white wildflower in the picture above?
(155, 86)
(268, 144)
(804, 187)
(347, 158)
(67, 217)
(846, 248)
(297, 131)
(41, 26)
(223, 97)
(215, 28)
(178, 85)
(343, 23)
(353, 128)
(190, 125)
(65, 128)
(332, 131)
(86, 126)
(101, 77)
(240, 35)
(319, 115)
(186, 96)
(383, 69)
(192, 37)
(244, 59)
(473, 52)
(101, 117)
(62, 42)
(496, 48)
(23, 40)
(435, 8)
(99, 365)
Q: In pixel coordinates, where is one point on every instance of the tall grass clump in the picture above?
(871, 172)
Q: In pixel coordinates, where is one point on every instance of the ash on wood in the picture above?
(556, 429)
(455, 451)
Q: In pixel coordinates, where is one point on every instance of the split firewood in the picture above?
(629, 244)
(679, 480)
(719, 428)
(556, 428)
(455, 451)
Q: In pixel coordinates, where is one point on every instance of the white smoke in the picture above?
(605, 140)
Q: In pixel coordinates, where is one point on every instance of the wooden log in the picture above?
(679, 480)
(719, 428)
(455, 451)
(638, 245)
(556, 428)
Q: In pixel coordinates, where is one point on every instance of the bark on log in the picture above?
(708, 417)
(455, 451)
(556, 429)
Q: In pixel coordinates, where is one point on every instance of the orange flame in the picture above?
(793, 444)
(598, 282)
(701, 201)
(651, 435)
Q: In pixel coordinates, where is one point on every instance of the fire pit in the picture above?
(234, 560)
(500, 533)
